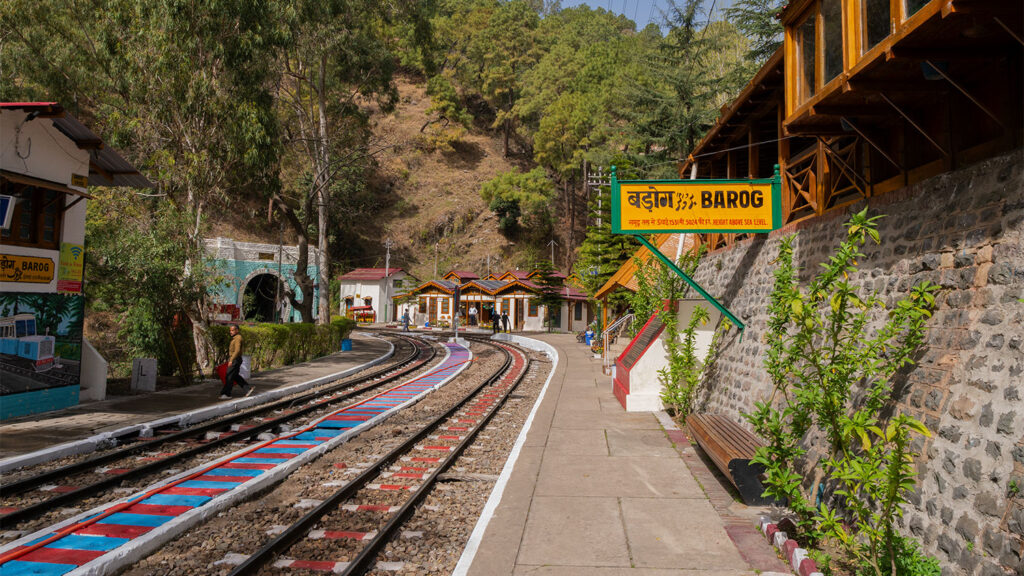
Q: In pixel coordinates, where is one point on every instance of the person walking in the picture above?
(504, 321)
(495, 324)
(405, 321)
(235, 350)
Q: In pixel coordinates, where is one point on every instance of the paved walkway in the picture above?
(31, 433)
(601, 492)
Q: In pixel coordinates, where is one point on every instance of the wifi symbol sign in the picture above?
(76, 251)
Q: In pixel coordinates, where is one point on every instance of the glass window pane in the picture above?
(832, 20)
(914, 5)
(26, 225)
(876, 22)
(807, 58)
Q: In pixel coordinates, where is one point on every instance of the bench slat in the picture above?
(730, 447)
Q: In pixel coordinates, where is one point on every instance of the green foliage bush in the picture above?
(833, 370)
(274, 345)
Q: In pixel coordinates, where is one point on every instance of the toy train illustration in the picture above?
(18, 338)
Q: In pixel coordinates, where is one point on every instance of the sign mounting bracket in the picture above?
(693, 284)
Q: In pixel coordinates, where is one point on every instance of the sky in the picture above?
(643, 11)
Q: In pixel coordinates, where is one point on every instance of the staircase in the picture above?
(626, 362)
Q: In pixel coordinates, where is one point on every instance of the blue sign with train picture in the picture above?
(40, 341)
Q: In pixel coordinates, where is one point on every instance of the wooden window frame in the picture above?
(578, 312)
(444, 306)
(533, 309)
(803, 94)
(10, 188)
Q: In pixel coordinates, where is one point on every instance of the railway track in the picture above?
(33, 496)
(396, 482)
(105, 536)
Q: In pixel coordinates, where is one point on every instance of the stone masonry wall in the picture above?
(963, 230)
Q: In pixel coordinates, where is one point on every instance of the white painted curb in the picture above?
(142, 546)
(144, 429)
(469, 552)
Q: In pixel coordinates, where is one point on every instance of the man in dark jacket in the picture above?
(504, 321)
(235, 349)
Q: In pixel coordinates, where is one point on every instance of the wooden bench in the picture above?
(730, 447)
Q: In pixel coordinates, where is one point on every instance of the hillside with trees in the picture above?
(463, 130)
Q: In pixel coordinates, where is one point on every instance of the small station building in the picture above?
(48, 161)
(369, 293)
(514, 292)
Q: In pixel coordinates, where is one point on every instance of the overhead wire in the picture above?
(648, 167)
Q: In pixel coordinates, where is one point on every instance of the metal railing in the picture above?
(614, 327)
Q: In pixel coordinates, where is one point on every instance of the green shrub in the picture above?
(275, 345)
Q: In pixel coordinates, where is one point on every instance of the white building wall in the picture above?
(35, 148)
(359, 290)
(644, 386)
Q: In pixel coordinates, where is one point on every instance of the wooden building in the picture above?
(870, 96)
(511, 292)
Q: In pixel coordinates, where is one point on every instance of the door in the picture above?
(432, 311)
(519, 312)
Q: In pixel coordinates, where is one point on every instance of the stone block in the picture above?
(789, 547)
(1005, 425)
(981, 275)
(1001, 273)
(967, 528)
(989, 504)
(798, 556)
(984, 254)
(963, 408)
(946, 260)
(807, 567)
(972, 469)
(987, 415)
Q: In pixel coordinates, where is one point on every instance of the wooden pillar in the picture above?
(787, 192)
(821, 171)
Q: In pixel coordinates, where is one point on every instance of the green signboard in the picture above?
(696, 206)
(726, 206)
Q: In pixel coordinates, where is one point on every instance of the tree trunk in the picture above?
(508, 129)
(304, 306)
(323, 159)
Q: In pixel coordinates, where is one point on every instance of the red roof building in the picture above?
(370, 273)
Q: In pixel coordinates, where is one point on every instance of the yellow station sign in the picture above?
(654, 206)
(29, 269)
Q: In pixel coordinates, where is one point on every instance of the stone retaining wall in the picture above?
(963, 230)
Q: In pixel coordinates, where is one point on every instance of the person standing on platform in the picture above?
(235, 349)
(472, 314)
(495, 324)
(405, 321)
(504, 321)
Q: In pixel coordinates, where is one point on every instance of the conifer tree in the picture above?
(550, 296)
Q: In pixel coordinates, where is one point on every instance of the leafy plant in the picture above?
(681, 379)
(829, 371)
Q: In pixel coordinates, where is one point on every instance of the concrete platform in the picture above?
(40, 431)
(599, 491)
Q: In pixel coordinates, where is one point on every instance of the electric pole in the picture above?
(280, 257)
(553, 243)
(435, 259)
(387, 278)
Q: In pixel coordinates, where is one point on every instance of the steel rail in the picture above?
(297, 530)
(11, 519)
(363, 562)
(30, 482)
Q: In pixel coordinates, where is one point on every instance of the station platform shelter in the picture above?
(515, 293)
